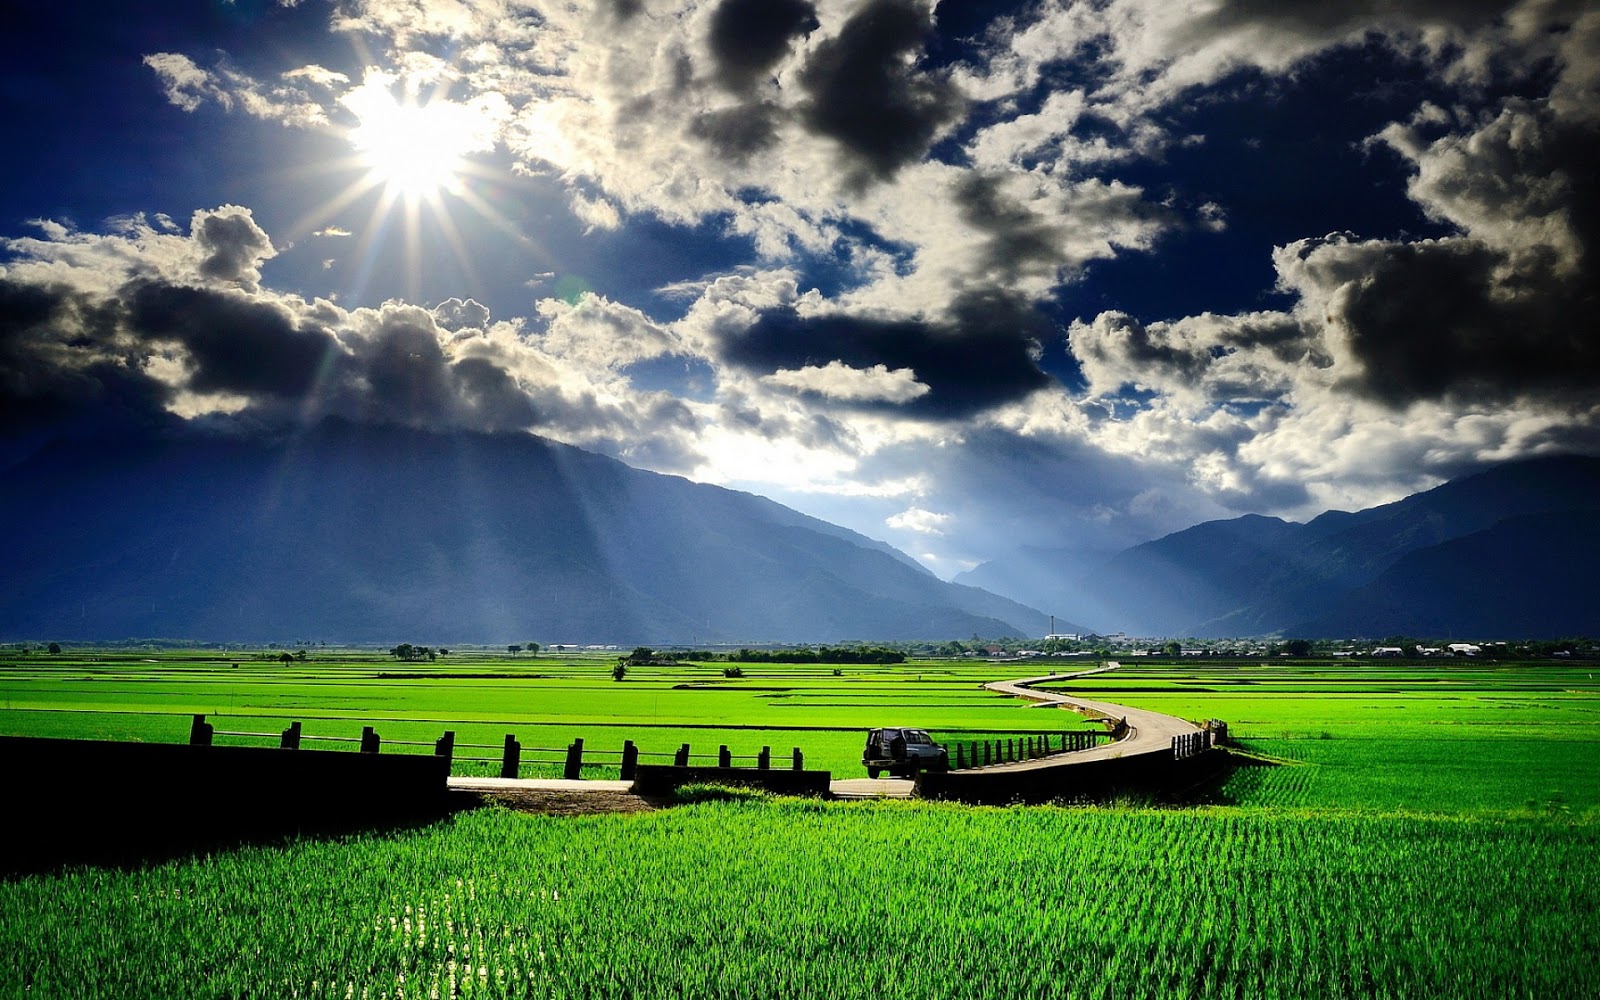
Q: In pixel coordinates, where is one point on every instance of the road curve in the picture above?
(1148, 732)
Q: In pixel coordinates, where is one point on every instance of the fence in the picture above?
(573, 758)
(1191, 744)
(983, 753)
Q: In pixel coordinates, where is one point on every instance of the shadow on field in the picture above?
(52, 832)
(92, 802)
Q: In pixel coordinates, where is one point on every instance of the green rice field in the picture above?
(1424, 830)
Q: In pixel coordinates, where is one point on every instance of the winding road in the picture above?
(1148, 733)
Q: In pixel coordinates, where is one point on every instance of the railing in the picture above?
(513, 755)
(983, 753)
(1191, 744)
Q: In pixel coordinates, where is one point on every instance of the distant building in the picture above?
(1464, 649)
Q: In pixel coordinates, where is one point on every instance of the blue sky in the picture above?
(963, 277)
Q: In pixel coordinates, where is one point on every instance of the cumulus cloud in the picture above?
(141, 329)
(749, 37)
(866, 92)
(924, 522)
(981, 354)
(854, 385)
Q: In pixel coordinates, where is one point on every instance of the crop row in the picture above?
(807, 900)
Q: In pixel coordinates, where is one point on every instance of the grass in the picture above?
(1433, 831)
(787, 898)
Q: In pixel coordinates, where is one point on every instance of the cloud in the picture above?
(143, 330)
(232, 244)
(924, 522)
(853, 385)
(749, 37)
(188, 86)
(866, 93)
(456, 314)
(235, 344)
(980, 355)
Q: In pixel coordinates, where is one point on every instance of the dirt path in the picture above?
(555, 797)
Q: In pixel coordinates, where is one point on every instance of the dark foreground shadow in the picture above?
(88, 802)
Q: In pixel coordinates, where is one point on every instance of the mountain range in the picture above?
(1510, 552)
(378, 534)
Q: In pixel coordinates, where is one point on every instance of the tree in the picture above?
(513, 649)
(1297, 647)
(286, 658)
(1173, 648)
(619, 671)
(532, 648)
(300, 655)
(55, 648)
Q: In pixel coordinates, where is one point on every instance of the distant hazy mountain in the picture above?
(1506, 552)
(383, 535)
(1032, 575)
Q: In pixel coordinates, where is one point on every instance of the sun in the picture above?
(414, 149)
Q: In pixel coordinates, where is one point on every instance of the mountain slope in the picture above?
(381, 535)
(1254, 575)
(1528, 576)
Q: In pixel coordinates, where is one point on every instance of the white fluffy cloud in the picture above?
(837, 380)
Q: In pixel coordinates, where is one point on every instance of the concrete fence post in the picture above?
(724, 758)
(511, 758)
(960, 763)
(764, 759)
(988, 757)
(630, 759)
(289, 739)
(681, 758)
(799, 760)
(369, 740)
(200, 732)
(574, 769)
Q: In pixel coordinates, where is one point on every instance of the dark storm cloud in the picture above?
(1457, 318)
(1336, 17)
(738, 133)
(61, 373)
(490, 397)
(749, 37)
(623, 10)
(981, 356)
(1508, 310)
(236, 343)
(1020, 241)
(865, 91)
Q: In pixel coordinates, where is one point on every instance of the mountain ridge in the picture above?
(362, 533)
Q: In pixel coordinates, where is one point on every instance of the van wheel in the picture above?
(873, 772)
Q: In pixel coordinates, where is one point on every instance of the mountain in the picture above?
(1528, 576)
(1456, 559)
(368, 534)
(1031, 575)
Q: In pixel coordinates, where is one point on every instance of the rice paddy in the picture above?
(1431, 830)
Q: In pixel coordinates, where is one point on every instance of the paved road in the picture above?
(1148, 732)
